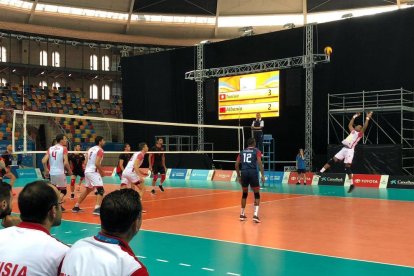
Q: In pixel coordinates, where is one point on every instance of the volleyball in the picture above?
(328, 50)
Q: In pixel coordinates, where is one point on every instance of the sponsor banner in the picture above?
(367, 180)
(201, 174)
(274, 177)
(289, 168)
(293, 178)
(179, 174)
(108, 171)
(331, 179)
(222, 175)
(28, 173)
(401, 182)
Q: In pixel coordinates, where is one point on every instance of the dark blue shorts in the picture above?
(250, 177)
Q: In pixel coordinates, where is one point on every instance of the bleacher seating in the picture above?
(61, 101)
(6, 127)
(79, 131)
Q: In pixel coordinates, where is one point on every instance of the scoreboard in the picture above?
(241, 97)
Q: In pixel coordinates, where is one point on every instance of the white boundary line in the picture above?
(280, 249)
(254, 245)
(223, 208)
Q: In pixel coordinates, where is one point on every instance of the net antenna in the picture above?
(239, 129)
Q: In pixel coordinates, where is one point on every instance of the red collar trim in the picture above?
(33, 226)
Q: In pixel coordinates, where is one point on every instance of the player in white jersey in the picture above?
(28, 248)
(132, 175)
(346, 154)
(93, 176)
(54, 163)
(108, 252)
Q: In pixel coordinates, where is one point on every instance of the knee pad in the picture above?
(163, 177)
(155, 177)
(256, 195)
(63, 192)
(100, 191)
(331, 162)
(348, 170)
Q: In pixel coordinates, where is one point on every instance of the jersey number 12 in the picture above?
(247, 157)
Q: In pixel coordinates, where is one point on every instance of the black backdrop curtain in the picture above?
(370, 53)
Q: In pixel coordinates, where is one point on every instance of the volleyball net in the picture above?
(33, 133)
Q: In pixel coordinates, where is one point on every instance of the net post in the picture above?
(13, 131)
(24, 131)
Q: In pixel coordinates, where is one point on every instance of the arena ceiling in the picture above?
(170, 22)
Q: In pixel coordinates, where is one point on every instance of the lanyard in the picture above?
(107, 239)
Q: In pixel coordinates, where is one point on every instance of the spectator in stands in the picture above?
(108, 253)
(6, 203)
(29, 249)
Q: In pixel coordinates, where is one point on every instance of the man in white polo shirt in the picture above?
(28, 249)
(108, 253)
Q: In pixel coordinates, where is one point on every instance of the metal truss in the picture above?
(309, 65)
(200, 96)
(307, 61)
(284, 63)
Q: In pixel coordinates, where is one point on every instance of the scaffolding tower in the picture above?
(392, 121)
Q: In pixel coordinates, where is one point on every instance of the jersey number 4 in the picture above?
(247, 157)
(54, 154)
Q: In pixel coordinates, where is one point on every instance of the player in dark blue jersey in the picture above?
(246, 168)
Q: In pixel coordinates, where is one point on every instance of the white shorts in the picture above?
(58, 180)
(93, 179)
(130, 178)
(345, 154)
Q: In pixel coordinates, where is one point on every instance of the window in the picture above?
(93, 92)
(43, 58)
(3, 82)
(56, 84)
(93, 62)
(42, 84)
(106, 92)
(3, 54)
(55, 59)
(105, 63)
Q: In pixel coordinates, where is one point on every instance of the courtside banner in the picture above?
(401, 182)
(274, 177)
(222, 175)
(367, 180)
(201, 174)
(27, 173)
(293, 178)
(332, 179)
(179, 173)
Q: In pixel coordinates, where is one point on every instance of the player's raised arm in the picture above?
(351, 123)
(367, 118)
